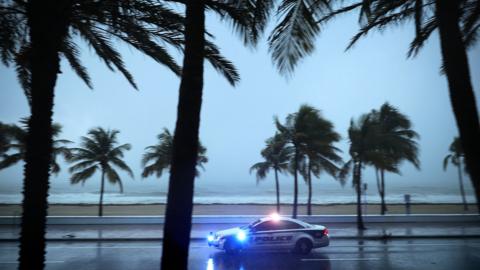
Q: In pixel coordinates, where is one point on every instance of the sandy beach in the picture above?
(236, 209)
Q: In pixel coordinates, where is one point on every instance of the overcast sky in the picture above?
(236, 121)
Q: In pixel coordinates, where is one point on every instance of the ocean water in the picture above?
(257, 195)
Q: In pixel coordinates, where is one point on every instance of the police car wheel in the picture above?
(303, 246)
(231, 248)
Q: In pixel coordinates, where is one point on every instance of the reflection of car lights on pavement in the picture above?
(241, 236)
(210, 264)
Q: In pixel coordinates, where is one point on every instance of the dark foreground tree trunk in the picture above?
(295, 184)
(102, 190)
(456, 68)
(48, 23)
(277, 188)
(462, 190)
(178, 218)
(382, 193)
(357, 173)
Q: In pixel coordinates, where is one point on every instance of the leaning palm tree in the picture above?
(363, 136)
(276, 157)
(18, 145)
(321, 155)
(456, 157)
(99, 152)
(458, 25)
(158, 157)
(248, 18)
(397, 143)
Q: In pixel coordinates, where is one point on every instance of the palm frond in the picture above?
(83, 175)
(221, 64)
(294, 36)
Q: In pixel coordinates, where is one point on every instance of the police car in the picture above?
(271, 233)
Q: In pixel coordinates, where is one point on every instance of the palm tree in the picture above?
(363, 136)
(161, 155)
(456, 157)
(19, 135)
(276, 156)
(397, 142)
(36, 34)
(321, 155)
(248, 18)
(458, 23)
(99, 152)
(295, 132)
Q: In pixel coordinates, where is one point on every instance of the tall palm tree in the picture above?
(458, 24)
(159, 157)
(456, 157)
(276, 157)
(18, 136)
(321, 154)
(295, 132)
(36, 34)
(43, 31)
(249, 19)
(363, 136)
(396, 143)
(99, 152)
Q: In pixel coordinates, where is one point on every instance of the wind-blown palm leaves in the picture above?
(320, 153)
(17, 137)
(458, 23)
(363, 136)
(248, 19)
(99, 152)
(158, 158)
(34, 35)
(276, 157)
(396, 143)
(456, 159)
(296, 132)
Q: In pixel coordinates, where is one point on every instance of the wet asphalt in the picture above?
(438, 254)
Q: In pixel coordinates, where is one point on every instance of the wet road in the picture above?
(341, 254)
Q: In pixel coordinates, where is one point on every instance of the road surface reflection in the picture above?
(268, 261)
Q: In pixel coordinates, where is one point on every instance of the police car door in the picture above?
(285, 233)
(261, 235)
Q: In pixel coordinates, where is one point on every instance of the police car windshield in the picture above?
(250, 225)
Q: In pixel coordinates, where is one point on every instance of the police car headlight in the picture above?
(241, 236)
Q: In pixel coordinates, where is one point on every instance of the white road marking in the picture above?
(341, 259)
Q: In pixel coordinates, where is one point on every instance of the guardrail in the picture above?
(229, 219)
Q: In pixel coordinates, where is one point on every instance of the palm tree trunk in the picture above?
(309, 179)
(102, 190)
(462, 190)
(382, 194)
(48, 24)
(178, 217)
(295, 184)
(357, 174)
(455, 63)
(277, 188)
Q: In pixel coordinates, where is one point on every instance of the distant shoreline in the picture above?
(236, 209)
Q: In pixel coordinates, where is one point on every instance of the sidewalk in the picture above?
(148, 232)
